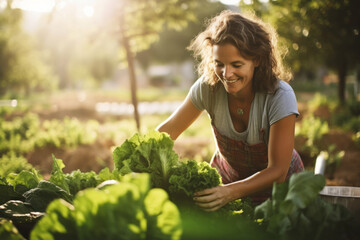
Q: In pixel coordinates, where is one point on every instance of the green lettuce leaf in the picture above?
(124, 210)
(191, 176)
(150, 153)
(8, 231)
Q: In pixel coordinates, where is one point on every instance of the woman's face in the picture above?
(234, 71)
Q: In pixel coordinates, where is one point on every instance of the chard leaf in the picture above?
(41, 196)
(304, 187)
(7, 192)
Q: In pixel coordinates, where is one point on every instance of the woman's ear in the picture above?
(256, 62)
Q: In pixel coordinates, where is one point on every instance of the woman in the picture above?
(252, 111)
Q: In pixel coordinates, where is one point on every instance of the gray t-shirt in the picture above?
(266, 109)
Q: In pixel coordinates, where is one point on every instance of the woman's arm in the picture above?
(281, 144)
(180, 120)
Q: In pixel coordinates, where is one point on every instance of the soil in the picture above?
(99, 154)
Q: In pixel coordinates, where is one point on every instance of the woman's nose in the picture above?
(227, 72)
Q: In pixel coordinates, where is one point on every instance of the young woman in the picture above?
(252, 109)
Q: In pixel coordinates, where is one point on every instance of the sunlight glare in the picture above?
(88, 11)
(34, 5)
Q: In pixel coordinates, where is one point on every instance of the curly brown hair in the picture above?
(254, 39)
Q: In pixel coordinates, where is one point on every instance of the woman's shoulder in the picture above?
(204, 87)
(282, 92)
(283, 86)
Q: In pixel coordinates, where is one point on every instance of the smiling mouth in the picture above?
(231, 81)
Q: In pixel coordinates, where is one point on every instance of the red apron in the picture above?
(236, 160)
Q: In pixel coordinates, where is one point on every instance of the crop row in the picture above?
(148, 195)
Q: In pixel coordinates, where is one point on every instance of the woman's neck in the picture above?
(243, 96)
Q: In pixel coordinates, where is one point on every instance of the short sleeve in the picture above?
(199, 94)
(283, 103)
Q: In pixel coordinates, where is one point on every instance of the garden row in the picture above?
(148, 195)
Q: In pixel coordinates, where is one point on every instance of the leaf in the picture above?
(29, 179)
(59, 223)
(192, 176)
(117, 212)
(41, 196)
(57, 175)
(304, 187)
(7, 193)
(163, 216)
(150, 153)
(19, 212)
(8, 231)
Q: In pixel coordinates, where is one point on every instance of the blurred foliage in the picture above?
(83, 51)
(23, 134)
(333, 159)
(312, 128)
(172, 44)
(320, 100)
(316, 33)
(22, 68)
(348, 118)
(12, 163)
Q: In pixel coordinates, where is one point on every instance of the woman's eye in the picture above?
(237, 66)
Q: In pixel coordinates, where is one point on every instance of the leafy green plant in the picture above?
(11, 163)
(296, 211)
(191, 176)
(150, 153)
(312, 128)
(76, 181)
(8, 231)
(356, 138)
(321, 100)
(332, 159)
(127, 210)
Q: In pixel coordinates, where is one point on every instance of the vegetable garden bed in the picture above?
(148, 196)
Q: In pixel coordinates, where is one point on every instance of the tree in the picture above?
(22, 69)
(139, 23)
(320, 31)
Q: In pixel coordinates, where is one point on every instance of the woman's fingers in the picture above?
(210, 206)
(205, 192)
(205, 198)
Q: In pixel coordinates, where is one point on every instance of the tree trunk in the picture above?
(132, 78)
(342, 70)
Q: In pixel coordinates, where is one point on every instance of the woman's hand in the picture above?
(212, 199)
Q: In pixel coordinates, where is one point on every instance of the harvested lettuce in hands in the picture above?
(150, 153)
(127, 210)
(191, 176)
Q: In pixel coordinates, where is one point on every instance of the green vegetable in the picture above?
(7, 192)
(191, 176)
(150, 153)
(297, 212)
(76, 181)
(21, 214)
(8, 231)
(44, 193)
(24, 181)
(127, 210)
